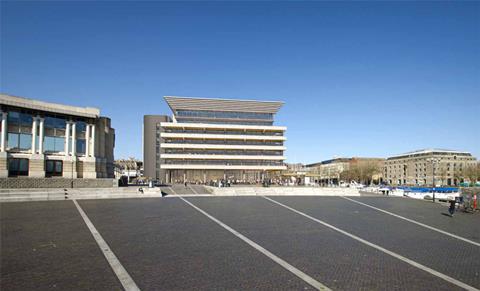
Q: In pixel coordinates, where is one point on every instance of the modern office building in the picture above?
(212, 139)
(423, 167)
(41, 139)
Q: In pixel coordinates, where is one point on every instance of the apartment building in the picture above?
(209, 139)
(428, 167)
(41, 139)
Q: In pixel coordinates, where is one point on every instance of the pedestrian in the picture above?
(451, 208)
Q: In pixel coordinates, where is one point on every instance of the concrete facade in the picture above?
(213, 139)
(40, 139)
(428, 167)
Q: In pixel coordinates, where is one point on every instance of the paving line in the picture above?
(415, 222)
(122, 274)
(174, 193)
(395, 255)
(195, 192)
(314, 283)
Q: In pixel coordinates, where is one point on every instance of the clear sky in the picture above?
(357, 78)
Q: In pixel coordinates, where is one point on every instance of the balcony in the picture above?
(221, 136)
(220, 157)
(238, 146)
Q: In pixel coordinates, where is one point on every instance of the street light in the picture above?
(434, 161)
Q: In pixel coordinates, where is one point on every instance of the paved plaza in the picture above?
(242, 243)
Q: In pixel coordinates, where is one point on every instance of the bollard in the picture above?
(475, 202)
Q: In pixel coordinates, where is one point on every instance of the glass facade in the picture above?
(19, 135)
(223, 114)
(19, 126)
(53, 168)
(17, 167)
(54, 144)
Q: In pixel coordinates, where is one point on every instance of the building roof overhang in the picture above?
(21, 102)
(217, 104)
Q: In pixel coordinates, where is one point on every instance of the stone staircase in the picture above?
(46, 194)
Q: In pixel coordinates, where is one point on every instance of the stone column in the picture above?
(40, 138)
(4, 131)
(87, 141)
(36, 165)
(67, 138)
(3, 147)
(34, 135)
(74, 139)
(93, 140)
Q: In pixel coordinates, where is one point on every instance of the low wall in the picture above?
(19, 182)
(320, 191)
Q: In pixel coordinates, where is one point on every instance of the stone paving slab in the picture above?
(463, 224)
(166, 244)
(47, 246)
(442, 253)
(330, 257)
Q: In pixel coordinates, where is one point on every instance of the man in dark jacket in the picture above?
(451, 208)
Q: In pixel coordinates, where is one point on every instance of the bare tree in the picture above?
(472, 173)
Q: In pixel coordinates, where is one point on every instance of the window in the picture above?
(54, 144)
(19, 118)
(53, 168)
(81, 146)
(19, 141)
(17, 167)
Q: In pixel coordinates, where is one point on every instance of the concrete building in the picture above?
(212, 139)
(424, 167)
(41, 139)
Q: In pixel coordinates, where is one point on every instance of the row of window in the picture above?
(26, 119)
(224, 114)
(224, 152)
(224, 142)
(227, 132)
(224, 162)
(52, 144)
(220, 121)
(19, 167)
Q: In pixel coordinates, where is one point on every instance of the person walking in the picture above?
(451, 208)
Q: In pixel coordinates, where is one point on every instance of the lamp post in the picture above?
(434, 162)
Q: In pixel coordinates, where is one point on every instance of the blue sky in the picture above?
(358, 78)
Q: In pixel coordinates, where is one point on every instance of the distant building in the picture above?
(295, 167)
(40, 139)
(212, 139)
(130, 168)
(418, 167)
(331, 171)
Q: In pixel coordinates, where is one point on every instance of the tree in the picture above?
(472, 173)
